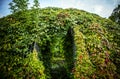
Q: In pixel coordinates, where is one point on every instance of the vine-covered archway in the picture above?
(58, 55)
(72, 41)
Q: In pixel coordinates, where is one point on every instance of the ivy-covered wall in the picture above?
(83, 66)
(68, 43)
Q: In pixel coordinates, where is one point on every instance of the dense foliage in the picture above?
(58, 44)
(17, 5)
(115, 16)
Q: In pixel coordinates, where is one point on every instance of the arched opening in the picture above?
(58, 55)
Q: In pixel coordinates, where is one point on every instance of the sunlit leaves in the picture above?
(86, 44)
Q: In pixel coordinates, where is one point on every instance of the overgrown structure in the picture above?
(66, 43)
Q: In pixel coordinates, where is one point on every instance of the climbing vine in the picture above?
(80, 44)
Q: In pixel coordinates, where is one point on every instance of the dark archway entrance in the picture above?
(58, 56)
